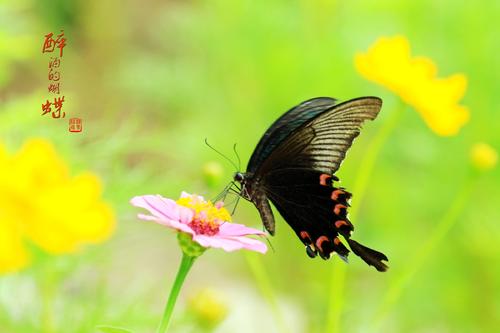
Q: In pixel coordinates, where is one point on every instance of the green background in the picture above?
(152, 79)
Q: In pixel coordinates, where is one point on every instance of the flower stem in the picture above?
(338, 270)
(262, 278)
(437, 234)
(186, 264)
(47, 280)
(47, 298)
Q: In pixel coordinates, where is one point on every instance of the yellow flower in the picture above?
(208, 308)
(389, 63)
(41, 204)
(483, 156)
(212, 173)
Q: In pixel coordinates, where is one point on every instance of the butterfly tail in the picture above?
(371, 257)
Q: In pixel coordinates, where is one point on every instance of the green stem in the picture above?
(336, 297)
(437, 235)
(338, 270)
(186, 264)
(47, 280)
(264, 284)
(47, 297)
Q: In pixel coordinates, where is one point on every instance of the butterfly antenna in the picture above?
(221, 154)
(237, 156)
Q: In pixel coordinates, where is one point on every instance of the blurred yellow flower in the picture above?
(483, 156)
(208, 308)
(389, 63)
(42, 205)
(212, 173)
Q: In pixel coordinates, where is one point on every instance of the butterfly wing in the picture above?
(294, 167)
(286, 124)
(317, 212)
(272, 138)
(322, 142)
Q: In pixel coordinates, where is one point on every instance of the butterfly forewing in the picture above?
(321, 143)
(285, 125)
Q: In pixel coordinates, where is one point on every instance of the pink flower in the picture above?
(207, 223)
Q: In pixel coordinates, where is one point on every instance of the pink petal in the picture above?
(182, 227)
(230, 244)
(150, 218)
(235, 229)
(185, 214)
(168, 223)
(252, 244)
(158, 206)
(165, 212)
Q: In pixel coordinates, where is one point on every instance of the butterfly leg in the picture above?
(266, 214)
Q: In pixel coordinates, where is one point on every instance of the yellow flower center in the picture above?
(207, 216)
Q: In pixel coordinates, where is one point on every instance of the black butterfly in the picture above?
(293, 165)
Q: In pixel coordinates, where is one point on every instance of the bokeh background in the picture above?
(152, 79)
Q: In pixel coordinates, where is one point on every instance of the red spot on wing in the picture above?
(340, 223)
(306, 238)
(338, 208)
(336, 194)
(304, 235)
(320, 241)
(323, 178)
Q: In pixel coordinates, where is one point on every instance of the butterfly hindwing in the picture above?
(317, 212)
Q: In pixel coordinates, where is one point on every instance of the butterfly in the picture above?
(293, 166)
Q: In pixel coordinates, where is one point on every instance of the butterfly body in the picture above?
(251, 191)
(293, 166)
